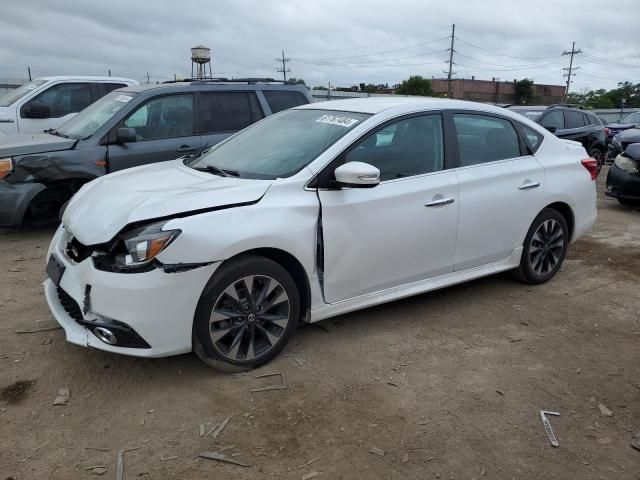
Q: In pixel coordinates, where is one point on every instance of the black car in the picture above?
(625, 123)
(129, 127)
(571, 124)
(623, 180)
(622, 140)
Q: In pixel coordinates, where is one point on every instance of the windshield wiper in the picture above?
(53, 131)
(217, 171)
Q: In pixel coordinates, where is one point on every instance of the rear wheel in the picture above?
(545, 247)
(598, 156)
(246, 314)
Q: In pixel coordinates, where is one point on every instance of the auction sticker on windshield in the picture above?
(337, 120)
(123, 98)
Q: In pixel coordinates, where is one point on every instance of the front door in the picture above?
(402, 230)
(164, 131)
(501, 189)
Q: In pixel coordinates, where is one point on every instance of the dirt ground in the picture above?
(448, 384)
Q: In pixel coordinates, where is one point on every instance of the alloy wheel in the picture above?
(249, 318)
(546, 247)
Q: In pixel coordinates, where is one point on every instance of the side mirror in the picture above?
(36, 110)
(357, 175)
(126, 135)
(551, 129)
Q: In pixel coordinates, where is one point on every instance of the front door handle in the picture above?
(528, 185)
(436, 202)
(186, 149)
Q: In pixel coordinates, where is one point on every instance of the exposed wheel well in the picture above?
(46, 205)
(566, 212)
(291, 265)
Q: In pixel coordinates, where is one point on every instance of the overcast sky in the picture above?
(345, 42)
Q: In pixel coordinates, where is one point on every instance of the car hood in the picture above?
(26, 144)
(630, 135)
(103, 207)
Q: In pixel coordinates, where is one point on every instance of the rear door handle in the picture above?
(528, 185)
(436, 202)
(186, 149)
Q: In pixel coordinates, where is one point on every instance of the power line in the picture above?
(502, 54)
(331, 63)
(568, 75)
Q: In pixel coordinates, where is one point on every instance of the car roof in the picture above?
(88, 78)
(201, 86)
(374, 105)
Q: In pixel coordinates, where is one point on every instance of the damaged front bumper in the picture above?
(15, 199)
(151, 313)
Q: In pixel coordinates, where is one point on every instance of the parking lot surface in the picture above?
(443, 385)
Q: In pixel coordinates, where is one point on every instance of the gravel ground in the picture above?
(443, 385)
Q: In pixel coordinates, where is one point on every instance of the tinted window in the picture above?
(553, 119)
(484, 139)
(573, 119)
(532, 138)
(109, 87)
(403, 149)
(228, 111)
(13, 95)
(279, 100)
(65, 98)
(164, 117)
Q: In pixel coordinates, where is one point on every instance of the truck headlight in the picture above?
(143, 244)
(6, 166)
(627, 164)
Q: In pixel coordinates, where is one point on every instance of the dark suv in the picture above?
(129, 127)
(571, 124)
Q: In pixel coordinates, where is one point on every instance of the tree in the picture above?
(523, 91)
(415, 85)
(320, 87)
(299, 81)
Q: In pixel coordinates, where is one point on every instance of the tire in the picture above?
(628, 202)
(245, 330)
(598, 156)
(544, 250)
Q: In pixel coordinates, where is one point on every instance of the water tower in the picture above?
(200, 59)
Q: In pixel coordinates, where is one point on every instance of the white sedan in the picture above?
(311, 213)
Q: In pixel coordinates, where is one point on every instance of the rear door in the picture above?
(501, 189)
(576, 129)
(164, 129)
(222, 113)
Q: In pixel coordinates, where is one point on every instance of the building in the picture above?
(496, 91)
(8, 84)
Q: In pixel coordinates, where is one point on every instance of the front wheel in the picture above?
(545, 247)
(246, 314)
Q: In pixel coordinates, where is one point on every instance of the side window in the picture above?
(228, 111)
(65, 98)
(279, 100)
(402, 149)
(163, 117)
(483, 139)
(554, 119)
(109, 87)
(574, 119)
(533, 138)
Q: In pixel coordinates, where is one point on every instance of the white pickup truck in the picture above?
(48, 102)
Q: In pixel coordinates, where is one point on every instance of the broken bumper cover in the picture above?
(15, 199)
(152, 311)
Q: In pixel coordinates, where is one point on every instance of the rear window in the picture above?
(110, 87)
(279, 100)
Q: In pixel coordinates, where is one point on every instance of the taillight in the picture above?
(591, 164)
(607, 131)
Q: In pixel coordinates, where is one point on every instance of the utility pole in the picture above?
(148, 81)
(451, 50)
(284, 68)
(570, 69)
(109, 72)
(29, 71)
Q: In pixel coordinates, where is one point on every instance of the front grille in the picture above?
(70, 305)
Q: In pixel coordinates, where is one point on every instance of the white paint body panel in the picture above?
(380, 243)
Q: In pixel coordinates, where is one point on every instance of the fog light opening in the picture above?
(106, 335)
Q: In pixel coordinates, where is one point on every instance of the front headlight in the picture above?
(627, 164)
(6, 166)
(143, 244)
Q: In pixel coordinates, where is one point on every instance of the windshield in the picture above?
(530, 114)
(631, 118)
(280, 145)
(10, 97)
(95, 115)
